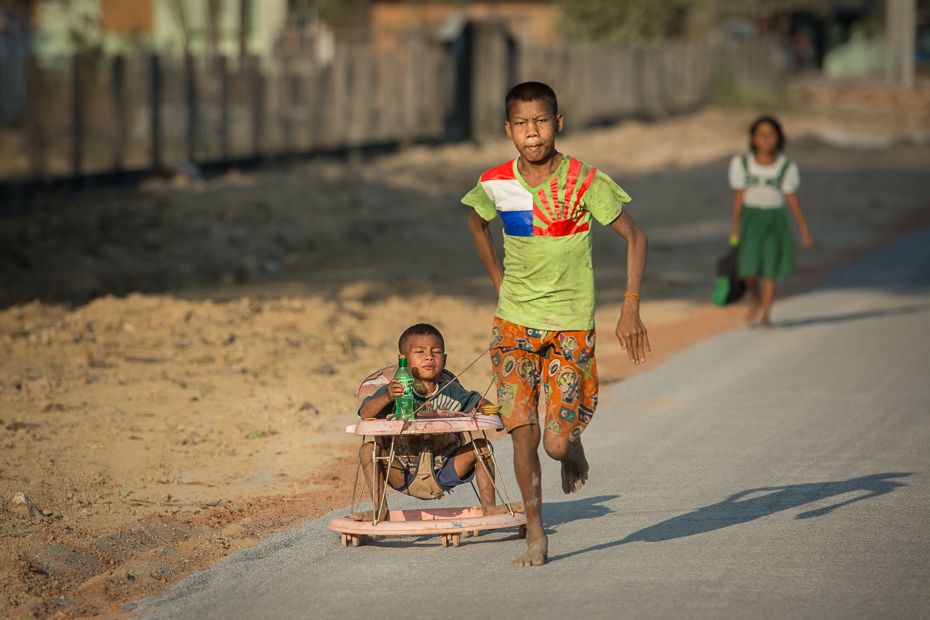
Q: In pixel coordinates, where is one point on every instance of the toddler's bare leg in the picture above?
(529, 476)
(376, 485)
(484, 477)
(466, 460)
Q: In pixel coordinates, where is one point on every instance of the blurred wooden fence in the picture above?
(602, 84)
(148, 112)
(110, 115)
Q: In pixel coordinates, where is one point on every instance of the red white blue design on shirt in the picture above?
(517, 206)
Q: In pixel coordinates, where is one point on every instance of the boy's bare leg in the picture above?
(768, 298)
(366, 458)
(529, 476)
(752, 284)
(571, 455)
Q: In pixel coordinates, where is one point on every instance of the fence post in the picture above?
(156, 111)
(361, 101)
(258, 106)
(639, 80)
(220, 68)
(661, 108)
(77, 115)
(339, 119)
(190, 97)
(284, 110)
(34, 111)
(119, 112)
(489, 78)
(322, 129)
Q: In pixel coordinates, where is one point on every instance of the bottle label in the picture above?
(404, 405)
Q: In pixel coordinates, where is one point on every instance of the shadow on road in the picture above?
(580, 509)
(753, 504)
(853, 316)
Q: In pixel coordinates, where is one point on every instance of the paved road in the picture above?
(767, 475)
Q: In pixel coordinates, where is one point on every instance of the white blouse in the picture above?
(762, 191)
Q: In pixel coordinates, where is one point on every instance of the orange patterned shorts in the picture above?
(562, 362)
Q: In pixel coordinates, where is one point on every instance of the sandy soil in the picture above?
(178, 387)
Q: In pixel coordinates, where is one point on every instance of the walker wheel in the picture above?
(523, 531)
(456, 540)
(445, 540)
(351, 540)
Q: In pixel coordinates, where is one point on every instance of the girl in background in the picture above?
(765, 183)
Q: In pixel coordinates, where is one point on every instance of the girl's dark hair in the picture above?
(771, 120)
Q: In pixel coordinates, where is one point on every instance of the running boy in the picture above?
(543, 333)
(454, 463)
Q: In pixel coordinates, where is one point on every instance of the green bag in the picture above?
(728, 287)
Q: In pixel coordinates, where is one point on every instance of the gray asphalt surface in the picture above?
(781, 474)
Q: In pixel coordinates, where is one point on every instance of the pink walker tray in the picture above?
(450, 523)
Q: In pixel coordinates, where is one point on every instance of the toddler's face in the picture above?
(532, 126)
(426, 354)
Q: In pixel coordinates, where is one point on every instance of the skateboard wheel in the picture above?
(344, 539)
(456, 540)
(356, 540)
(445, 540)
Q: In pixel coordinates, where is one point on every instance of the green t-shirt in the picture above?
(548, 280)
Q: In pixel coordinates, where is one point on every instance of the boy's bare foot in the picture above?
(753, 313)
(369, 515)
(501, 509)
(765, 325)
(574, 470)
(537, 552)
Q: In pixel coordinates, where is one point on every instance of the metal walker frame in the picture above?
(451, 523)
(378, 514)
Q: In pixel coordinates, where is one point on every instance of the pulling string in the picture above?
(428, 400)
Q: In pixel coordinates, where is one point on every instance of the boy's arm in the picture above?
(376, 404)
(487, 250)
(737, 211)
(630, 329)
(477, 401)
(806, 239)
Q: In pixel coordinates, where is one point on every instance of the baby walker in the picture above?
(432, 427)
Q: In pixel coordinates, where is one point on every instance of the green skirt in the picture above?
(766, 245)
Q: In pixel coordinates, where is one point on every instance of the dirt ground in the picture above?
(178, 361)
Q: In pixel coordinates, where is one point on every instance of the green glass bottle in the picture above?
(404, 405)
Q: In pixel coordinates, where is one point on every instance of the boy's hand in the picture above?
(632, 333)
(395, 389)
